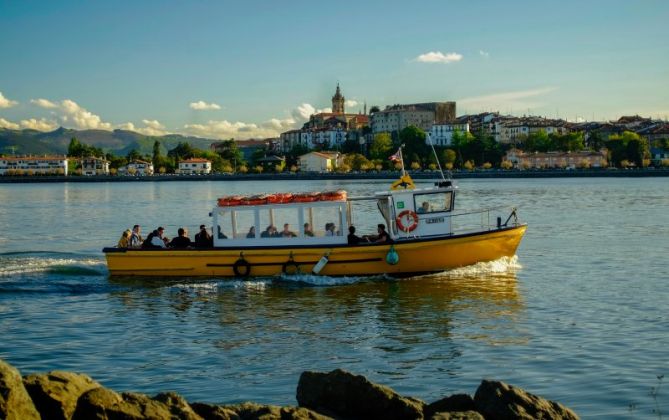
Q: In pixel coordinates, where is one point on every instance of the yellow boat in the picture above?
(426, 235)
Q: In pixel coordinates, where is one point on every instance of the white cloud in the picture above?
(438, 57)
(304, 111)
(239, 130)
(508, 101)
(279, 125)
(82, 118)
(203, 106)
(40, 125)
(6, 103)
(43, 103)
(351, 103)
(485, 54)
(8, 124)
(151, 128)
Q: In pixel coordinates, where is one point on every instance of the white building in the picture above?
(137, 167)
(508, 131)
(319, 161)
(442, 134)
(194, 166)
(394, 120)
(47, 165)
(94, 166)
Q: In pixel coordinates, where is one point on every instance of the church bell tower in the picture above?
(338, 102)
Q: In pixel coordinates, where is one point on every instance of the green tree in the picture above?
(182, 151)
(134, 155)
(636, 151)
(381, 146)
(231, 152)
(75, 149)
(413, 139)
(156, 154)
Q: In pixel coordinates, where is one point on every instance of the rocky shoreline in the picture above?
(334, 395)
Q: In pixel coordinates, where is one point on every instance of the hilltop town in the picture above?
(339, 141)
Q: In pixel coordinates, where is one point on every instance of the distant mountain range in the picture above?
(118, 142)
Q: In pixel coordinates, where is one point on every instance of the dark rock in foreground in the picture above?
(15, 403)
(497, 400)
(337, 394)
(347, 395)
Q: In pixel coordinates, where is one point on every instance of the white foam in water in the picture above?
(500, 266)
(315, 280)
(28, 265)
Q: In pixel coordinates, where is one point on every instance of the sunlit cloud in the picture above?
(150, 128)
(351, 103)
(484, 54)
(203, 106)
(5, 102)
(40, 125)
(438, 57)
(8, 124)
(521, 99)
(43, 103)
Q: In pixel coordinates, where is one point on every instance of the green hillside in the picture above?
(118, 142)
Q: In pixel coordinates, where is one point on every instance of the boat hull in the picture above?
(425, 255)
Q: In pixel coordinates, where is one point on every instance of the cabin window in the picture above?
(325, 221)
(433, 202)
(224, 225)
(287, 222)
(244, 224)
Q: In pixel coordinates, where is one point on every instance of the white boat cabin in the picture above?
(318, 222)
(408, 213)
(420, 212)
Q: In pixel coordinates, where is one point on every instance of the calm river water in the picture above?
(580, 316)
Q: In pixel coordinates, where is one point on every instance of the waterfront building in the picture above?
(137, 167)
(562, 160)
(33, 165)
(422, 115)
(94, 166)
(442, 134)
(319, 161)
(194, 166)
(512, 130)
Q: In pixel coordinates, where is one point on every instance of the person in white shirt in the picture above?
(158, 240)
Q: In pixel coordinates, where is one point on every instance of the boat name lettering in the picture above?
(435, 220)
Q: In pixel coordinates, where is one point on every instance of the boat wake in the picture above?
(504, 265)
(62, 264)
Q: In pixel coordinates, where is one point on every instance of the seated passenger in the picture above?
(286, 232)
(329, 229)
(252, 232)
(221, 235)
(424, 208)
(382, 236)
(203, 239)
(124, 242)
(269, 232)
(136, 238)
(307, 230)
(155, 239)
(182, 241)
(353, 239)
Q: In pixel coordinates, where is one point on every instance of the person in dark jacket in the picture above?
(181, 241)
(354, 239)
(203, 239)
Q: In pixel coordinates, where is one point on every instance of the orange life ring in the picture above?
(306, 197)
(280, 198)
(230, 200)
(333, 195)
(412, 218)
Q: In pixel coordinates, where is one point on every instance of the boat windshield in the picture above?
(436, 202)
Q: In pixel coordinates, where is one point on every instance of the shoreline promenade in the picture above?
(542, 173)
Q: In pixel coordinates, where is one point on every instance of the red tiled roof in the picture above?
(195, 160)
(14, 158)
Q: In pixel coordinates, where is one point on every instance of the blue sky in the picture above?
(256, 68)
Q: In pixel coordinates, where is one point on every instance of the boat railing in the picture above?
(489, 218)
